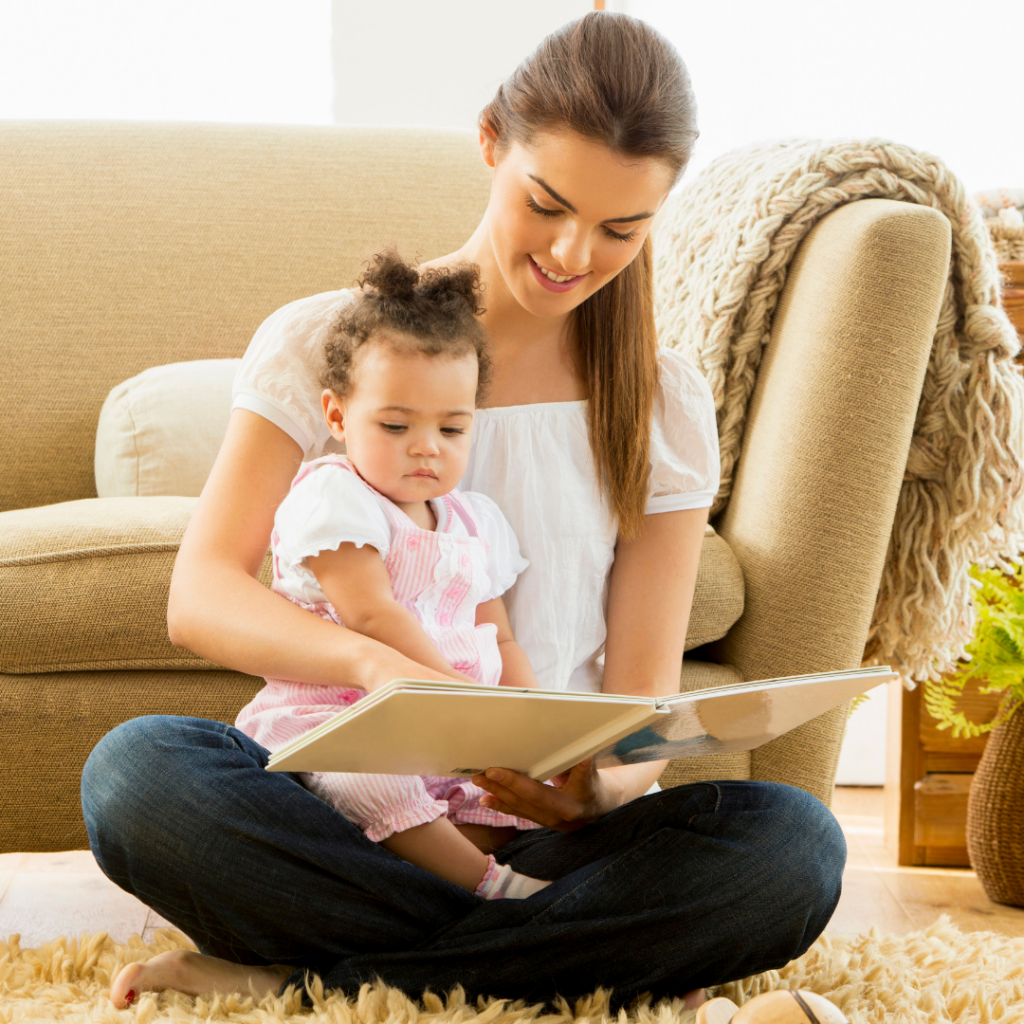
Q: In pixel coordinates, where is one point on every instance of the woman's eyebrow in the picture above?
(627, 220)
(572, 209)
(554, 195)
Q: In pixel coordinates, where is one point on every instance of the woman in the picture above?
(602, 453)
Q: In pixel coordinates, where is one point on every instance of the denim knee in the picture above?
(135, 775)
(809, 847)
(111, 775)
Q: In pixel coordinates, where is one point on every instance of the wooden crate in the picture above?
(928, 777)
(928, 773)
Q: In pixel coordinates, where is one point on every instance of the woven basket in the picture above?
(1013, 295)
(1007, 231)
(995, 814)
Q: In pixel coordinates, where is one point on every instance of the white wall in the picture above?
(862, 758)
(942, 76)
(410, 62)
(934, 76)
(167, 60)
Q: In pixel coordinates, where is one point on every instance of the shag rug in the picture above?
(722, 253)
(937, 975)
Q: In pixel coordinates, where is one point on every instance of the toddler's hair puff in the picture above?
(433, 312)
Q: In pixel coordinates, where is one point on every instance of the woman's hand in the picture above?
(574, 799)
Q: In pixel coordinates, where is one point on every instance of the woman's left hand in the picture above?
(574, 799)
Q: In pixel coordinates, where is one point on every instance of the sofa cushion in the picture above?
(159, 432)
(84, 584)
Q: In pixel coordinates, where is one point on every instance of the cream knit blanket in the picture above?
(722, 252)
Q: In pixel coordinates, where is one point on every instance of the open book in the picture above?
(414, 727)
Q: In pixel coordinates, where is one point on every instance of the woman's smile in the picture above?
(552, 281)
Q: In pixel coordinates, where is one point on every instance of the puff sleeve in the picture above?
(505, 561)
(328, 507)
(279, 375)
(685, 465)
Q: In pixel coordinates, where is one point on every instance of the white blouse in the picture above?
(534, 461)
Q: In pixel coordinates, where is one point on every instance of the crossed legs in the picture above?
(675, 891)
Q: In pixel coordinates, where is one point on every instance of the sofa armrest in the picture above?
(823, 455)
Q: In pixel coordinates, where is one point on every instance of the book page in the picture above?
(738, 717)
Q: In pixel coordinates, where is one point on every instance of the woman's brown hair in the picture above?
(612, 79)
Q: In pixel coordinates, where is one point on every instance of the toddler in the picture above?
(380, 541)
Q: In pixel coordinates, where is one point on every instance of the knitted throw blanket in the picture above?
(723, 250)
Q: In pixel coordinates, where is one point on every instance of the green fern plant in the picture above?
(996, 654)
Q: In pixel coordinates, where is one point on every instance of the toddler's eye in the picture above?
(449, 431)
(393, 428)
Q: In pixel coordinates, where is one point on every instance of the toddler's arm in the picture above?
(515, 666)
(356, 583)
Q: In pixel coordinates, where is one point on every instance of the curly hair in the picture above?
(434, 312)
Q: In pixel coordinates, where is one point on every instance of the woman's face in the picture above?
(566, 215)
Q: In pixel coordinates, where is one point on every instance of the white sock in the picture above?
(520, 886)
(503, 883)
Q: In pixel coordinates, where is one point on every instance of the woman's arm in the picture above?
(355, 581)
(219, 610)
(515, 666)
(649, 600)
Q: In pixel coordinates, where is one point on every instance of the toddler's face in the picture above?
(408, 421)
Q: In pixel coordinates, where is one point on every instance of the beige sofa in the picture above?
(128, 246)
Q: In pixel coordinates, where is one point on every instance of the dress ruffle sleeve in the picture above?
(327, 508)
(684, 439)
(505, 561)
(279, 378)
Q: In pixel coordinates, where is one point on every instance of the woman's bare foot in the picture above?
(195, 975)
(694, 999)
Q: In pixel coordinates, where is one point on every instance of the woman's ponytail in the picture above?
(612, 79)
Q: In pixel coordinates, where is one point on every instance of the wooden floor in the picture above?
(44, 895)
(876, 891)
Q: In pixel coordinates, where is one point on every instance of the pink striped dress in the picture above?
(440, 576)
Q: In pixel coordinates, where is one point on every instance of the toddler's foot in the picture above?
(195, 975)
(500, 882)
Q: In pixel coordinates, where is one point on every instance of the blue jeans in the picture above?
(690, 887)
